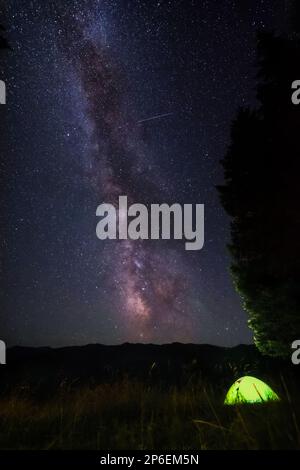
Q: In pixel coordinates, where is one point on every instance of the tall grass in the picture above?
(134, 415)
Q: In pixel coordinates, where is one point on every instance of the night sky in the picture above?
(84, 78)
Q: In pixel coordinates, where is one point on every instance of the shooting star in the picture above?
(157, 116)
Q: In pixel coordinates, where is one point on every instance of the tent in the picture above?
(249, 390)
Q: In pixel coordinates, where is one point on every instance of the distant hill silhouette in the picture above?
(44, 370)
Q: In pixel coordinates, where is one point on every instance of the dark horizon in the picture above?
(174, 343)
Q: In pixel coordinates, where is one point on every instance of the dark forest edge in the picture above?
(44, 369)
(261, 194)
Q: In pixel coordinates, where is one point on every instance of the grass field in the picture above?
(135, 415)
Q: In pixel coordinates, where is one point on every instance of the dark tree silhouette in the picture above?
(261, 193)
(292, 8)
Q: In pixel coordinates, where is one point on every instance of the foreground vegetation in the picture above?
(135, 415)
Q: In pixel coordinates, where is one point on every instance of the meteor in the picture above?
(157, 116)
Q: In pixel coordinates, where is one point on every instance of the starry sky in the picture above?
(84, 80)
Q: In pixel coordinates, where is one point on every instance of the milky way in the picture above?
(109, 98)
(150, 291)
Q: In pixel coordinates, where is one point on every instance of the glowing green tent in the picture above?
(249, 390)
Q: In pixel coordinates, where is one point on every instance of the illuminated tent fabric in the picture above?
(249, 390)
